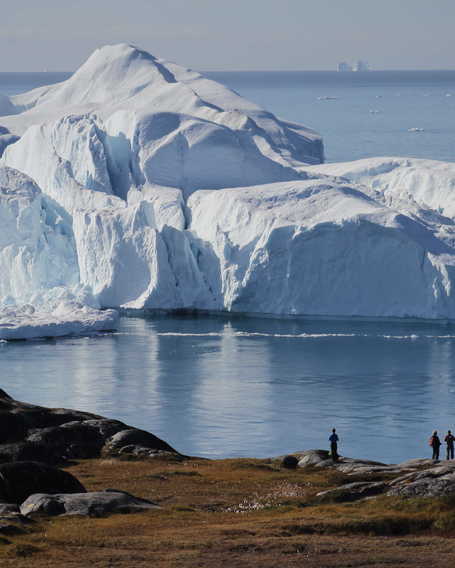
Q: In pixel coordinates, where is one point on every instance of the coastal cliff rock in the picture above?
(55, 435)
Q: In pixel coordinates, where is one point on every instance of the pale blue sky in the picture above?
(232, 34)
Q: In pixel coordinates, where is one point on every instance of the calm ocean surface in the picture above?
(222, 387)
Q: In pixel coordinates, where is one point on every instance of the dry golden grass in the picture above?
(236, 513)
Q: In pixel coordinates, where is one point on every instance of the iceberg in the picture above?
(140, 185)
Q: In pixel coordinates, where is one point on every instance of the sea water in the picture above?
(241, 386)
(361, 114)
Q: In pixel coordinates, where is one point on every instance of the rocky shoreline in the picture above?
(68, 478)
(36, 441)
(56, 435)
(411, 478)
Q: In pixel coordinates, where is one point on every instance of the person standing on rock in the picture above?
(449, 440)
(334, 445)
(435, 443)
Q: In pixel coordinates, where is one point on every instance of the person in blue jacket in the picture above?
(334, 445)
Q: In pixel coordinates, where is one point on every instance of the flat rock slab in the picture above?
(91, 504)
(438, 481)
(352, 492)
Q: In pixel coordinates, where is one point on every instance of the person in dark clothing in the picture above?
(435, 443)
(449, 440)
(334, 445)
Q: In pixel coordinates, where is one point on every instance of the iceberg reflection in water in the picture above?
(253, 387)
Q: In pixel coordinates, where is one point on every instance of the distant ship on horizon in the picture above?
(360, 65)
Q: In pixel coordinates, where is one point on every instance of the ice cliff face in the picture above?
(321, 247)
(37, 249)
(140, 184)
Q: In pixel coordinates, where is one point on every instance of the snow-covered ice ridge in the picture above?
(142, 185)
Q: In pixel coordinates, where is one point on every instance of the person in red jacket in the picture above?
(435, 443)
(449, 440)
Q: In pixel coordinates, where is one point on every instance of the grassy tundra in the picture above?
(240, 512)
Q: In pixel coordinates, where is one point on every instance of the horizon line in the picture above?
(427, 69)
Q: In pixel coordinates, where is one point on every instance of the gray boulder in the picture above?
(18, 480)
(313, 458)
(134, 437)
(93, 504)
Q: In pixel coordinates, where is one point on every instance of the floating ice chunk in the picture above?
(25, 322)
